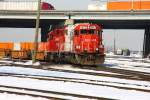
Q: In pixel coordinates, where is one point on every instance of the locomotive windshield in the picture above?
(84, 31)
(92, 31)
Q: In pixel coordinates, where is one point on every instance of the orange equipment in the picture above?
(5, 49)
(128, 5)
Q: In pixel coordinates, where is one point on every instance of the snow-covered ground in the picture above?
(75, 88)
(134, 63)
(39, 72)
(6, 96)
(75, 80)
(29, 62)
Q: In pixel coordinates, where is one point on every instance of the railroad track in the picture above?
(51, 95)
(103, 67)
(118, 73)
(23, 91)
(44, 93)
(119, 85)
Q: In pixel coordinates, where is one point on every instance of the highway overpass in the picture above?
(110, 20)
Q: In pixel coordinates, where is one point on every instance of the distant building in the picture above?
(97, 5)
(30, 5)
(19, 0)
(93, 7)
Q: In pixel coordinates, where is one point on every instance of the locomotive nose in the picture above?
(89, 44)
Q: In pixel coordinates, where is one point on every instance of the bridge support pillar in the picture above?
(146, 43)
(46, 28)
(44, 32)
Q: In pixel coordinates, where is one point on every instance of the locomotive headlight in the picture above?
(96, 49)
(77, 46)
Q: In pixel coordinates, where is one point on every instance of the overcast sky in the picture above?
(70, 4)
(132, 39)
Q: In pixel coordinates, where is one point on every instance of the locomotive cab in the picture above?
(88, 39)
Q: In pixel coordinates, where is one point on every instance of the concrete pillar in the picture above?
(46, 28)
(44, 32)
(146, 43)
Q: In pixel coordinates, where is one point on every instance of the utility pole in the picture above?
(36, 33)
(114, 41)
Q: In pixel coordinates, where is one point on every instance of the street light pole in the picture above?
(114, 41)
(36, 33)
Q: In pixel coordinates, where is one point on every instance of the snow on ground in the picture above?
(29, 62)
(99, 90)
(37, 93)
(6, 61)
(30, 71)
(75, 88)
(6, 96)
(71, 68)
(128, 64)
(88, 78)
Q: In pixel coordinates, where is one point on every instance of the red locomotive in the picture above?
(79, 44)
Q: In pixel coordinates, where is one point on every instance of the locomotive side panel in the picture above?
(56, 40)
